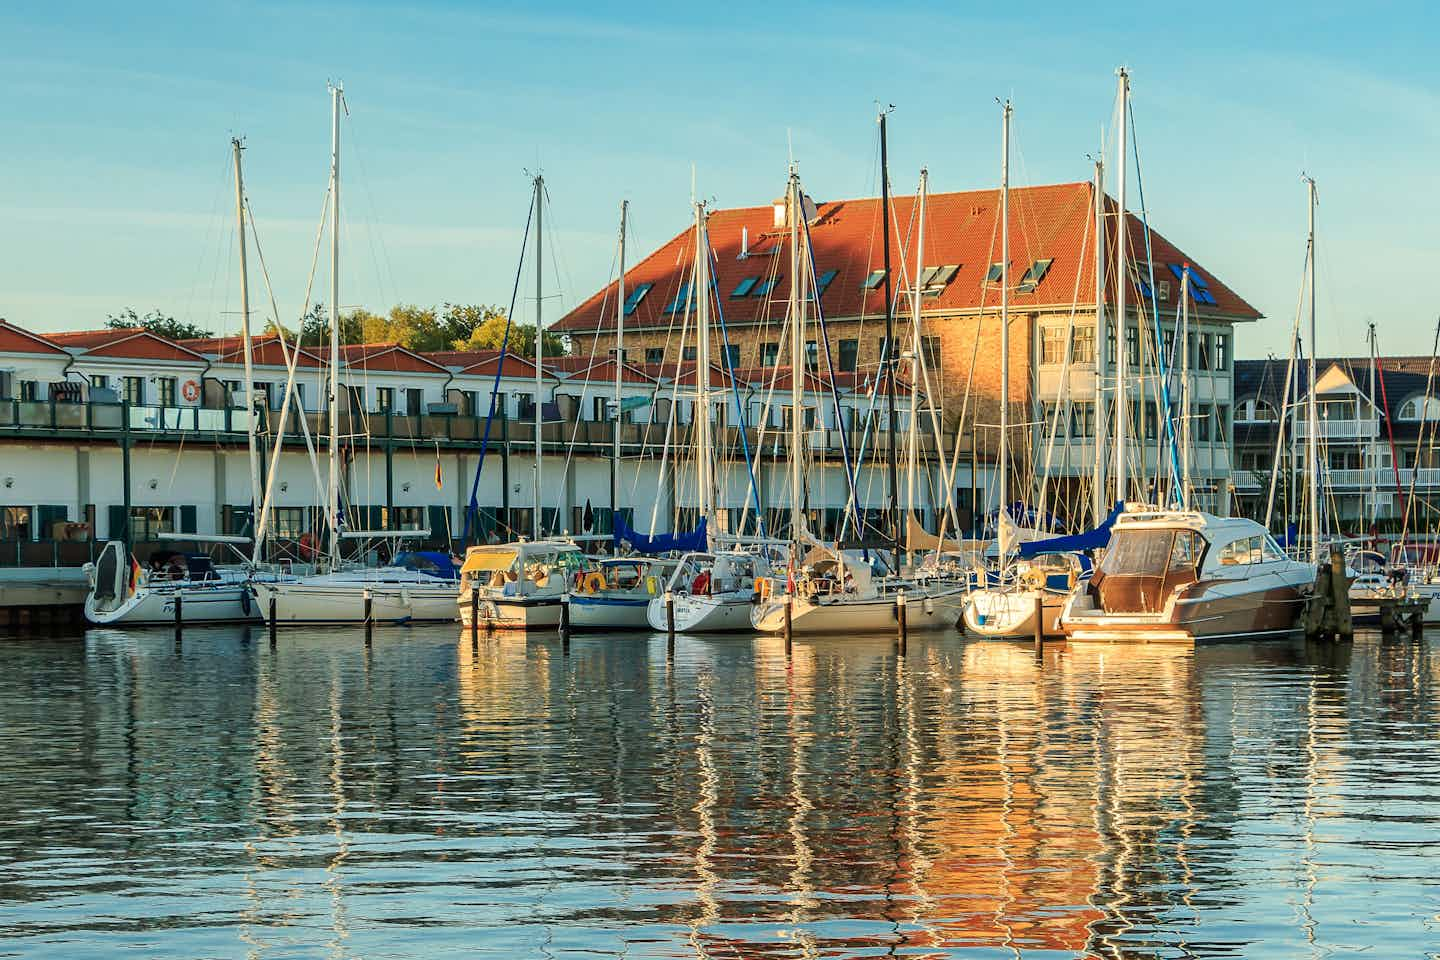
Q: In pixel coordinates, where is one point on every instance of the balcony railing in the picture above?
(1340, 429)
(112, 420)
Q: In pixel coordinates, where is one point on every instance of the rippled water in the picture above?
(423, 798)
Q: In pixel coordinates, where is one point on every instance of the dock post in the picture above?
(272, 619)
(1340, 595)
(789, 617)
(565, 625)
(1039, 627)
(179, 616)
(369, 620)
(670, 616)
(900, 621)
(474, 617)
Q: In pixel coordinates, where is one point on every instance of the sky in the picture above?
(116, 184)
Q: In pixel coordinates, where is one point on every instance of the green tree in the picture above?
(157, 323)
(491, 334)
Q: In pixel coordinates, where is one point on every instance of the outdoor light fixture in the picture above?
(154, 484)
(284, 485)
(405, 486)
(9, 482)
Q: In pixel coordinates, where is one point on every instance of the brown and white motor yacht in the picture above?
(1173, 575)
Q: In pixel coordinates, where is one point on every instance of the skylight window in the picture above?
(1199, 287)
(1034, 275)
(823, 281)
(636, 295)
(873, 280)
(744, 286)
(934, 280)
(763, 288)
(682, 296)
(996, 271)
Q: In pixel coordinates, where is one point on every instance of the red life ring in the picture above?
(190, 390)
(307, 546)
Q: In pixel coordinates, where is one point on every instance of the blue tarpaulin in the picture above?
(661, 542)
(1089, 540)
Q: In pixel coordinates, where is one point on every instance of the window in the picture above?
(1222, 421)
(744, 287)
(357, 398)
(1132, 346)
(468, 400)
(4, 385)
(849, 355)
(1222, 351)
(97, 382)
(1034, 275)
(1082, 345)
(289, 523)
(384, 399)
(525, 406)
(1412, 409)
(689, 353)
(633, 300)
(134, 391)
(147, 523)
(654, 354)
(934, 280)
(931, 348)
(682, 298)
(764, 287)
(30, 390)
(822, 283)
(15, 523)
(498, 407)
(769, 354)
(1246, 550)
(1203, 361)
(1172, 362)
(414, 400)
(1203, 413)
(881, 352)
(873, 280)
(995, 273)
(732, 356)
(812, 355)
(165, 387)
(1109, 343)
(1052, 345)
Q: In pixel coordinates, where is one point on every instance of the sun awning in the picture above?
(482, 560)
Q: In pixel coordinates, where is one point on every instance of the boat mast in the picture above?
(702, 362)
(797, 362)
(1374, 353)
(1122, 282)
(236, 147)
(619, 374)
(1003, 481)
(917, 343)
(1097, 483)
(1184, 341)
(888, 361)
(539, 347)
(1312, 452)
(332, 494)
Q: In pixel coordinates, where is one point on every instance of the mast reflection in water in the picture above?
(425, 798)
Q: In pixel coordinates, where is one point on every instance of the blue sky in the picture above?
(115, 183)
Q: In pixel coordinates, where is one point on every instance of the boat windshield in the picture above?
(1152, 553)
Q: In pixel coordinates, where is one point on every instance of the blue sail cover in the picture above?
(695, 540)
(1089, 540)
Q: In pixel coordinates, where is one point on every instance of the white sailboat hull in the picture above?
(1011, 613)
(728, 613)
(590, 612)
(340, 598)
(199, 603)
(849, 617)
(519, 613)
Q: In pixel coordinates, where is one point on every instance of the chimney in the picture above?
(744, 243)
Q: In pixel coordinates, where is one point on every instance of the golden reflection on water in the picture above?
(730, 800)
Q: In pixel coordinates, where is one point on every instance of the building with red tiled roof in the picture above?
(1052, 307)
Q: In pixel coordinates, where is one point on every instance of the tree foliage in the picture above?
(157, 323)
(450, 326)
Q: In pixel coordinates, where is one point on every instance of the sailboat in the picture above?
(828, 591)
(711, 590)
(122, 593)
(521, 585)
(346, 593)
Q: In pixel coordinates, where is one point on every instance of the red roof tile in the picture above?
(264, 350)
(1046, 222)
(388, 357)
(125, 343)
(15, 339)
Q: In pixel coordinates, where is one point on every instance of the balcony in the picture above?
(114, 421)
(1335, 429)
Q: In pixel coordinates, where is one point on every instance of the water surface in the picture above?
(425, 798)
